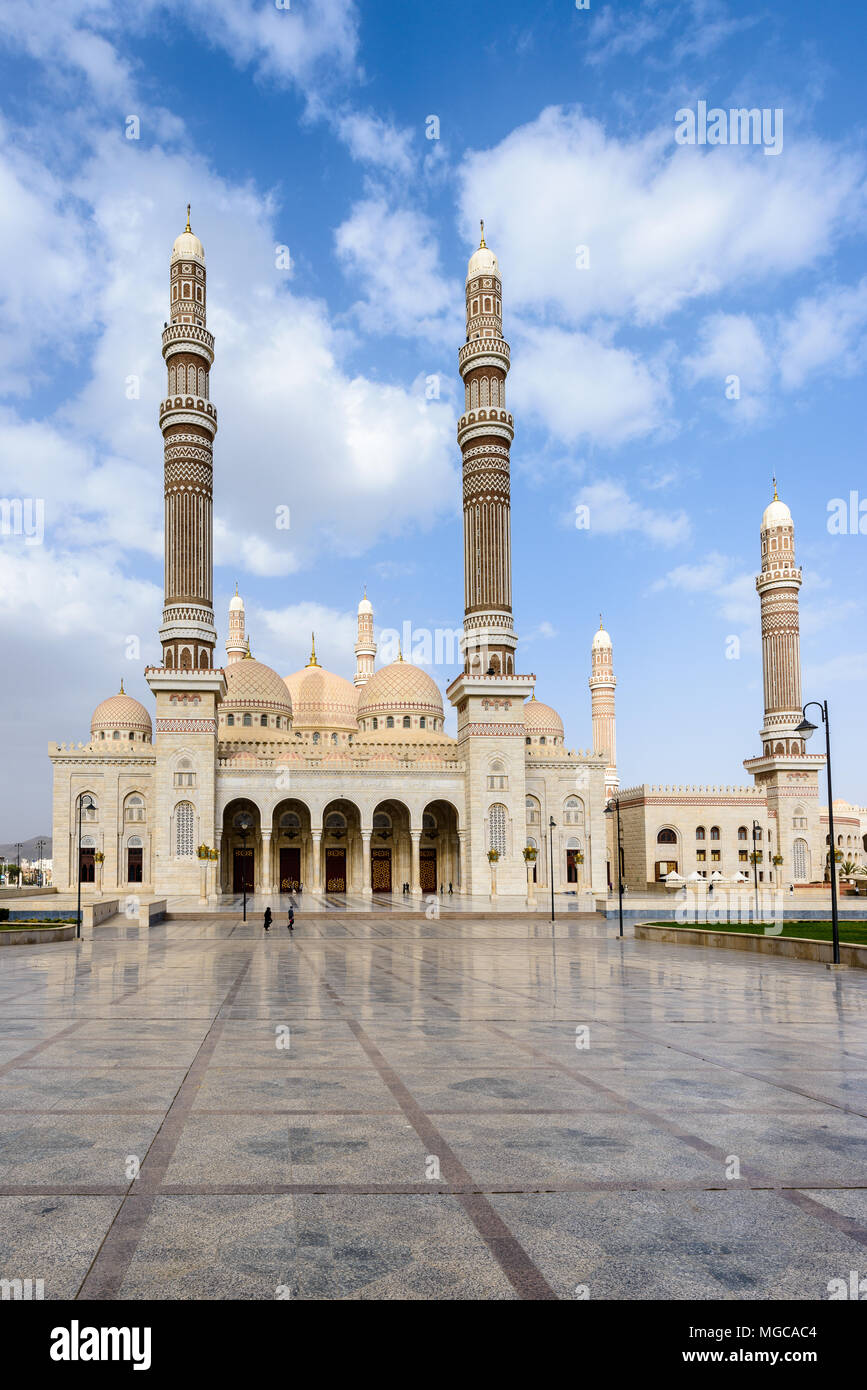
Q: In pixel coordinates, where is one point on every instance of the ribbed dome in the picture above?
(253, 686)
(400, 688)
(542, 719)
(321, 700)
(121, 712)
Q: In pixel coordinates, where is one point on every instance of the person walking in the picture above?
(267, 918)
(291, 914)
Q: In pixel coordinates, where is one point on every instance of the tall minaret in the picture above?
(365, 647)
(485, 435)
(602, 684)
(189, 423)
(778, 586)
(236, 642)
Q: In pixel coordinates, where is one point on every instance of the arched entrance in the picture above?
(390, 848)
(240, 851)
(438, 851)
(341, 847)
(292, 853)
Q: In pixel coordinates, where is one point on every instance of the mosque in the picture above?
(243, 778)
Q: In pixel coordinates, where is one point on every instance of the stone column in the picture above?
(264, 875)
(316, 836)
(531, 887)
(461, 862)
(415, 879)
(366, 889)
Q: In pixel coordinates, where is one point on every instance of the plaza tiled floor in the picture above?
(388, 1108)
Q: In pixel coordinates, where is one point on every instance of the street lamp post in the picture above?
(18, 848)
(552, 825)
(756, 828)
(85, 802)
(806, 729)
(245, 825)
(40, 849)
(615, 803)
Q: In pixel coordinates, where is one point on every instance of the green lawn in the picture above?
(851, 933)
(56, 922)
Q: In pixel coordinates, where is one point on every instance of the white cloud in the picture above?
(734, 593)
(664, 224)
(579, 388)
(285, 636)
(731, 345)
(614, 511)
(825, 333)
(373, 140)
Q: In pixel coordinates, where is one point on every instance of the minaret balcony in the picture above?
(488, 420)
(188, 410)
(188, 337)
(476, 352)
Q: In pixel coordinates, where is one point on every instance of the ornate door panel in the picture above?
(335, 870)
(380, 870)
(290, 869)
(242, 868)
(428, 870)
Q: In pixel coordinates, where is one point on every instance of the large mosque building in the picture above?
(243, 777)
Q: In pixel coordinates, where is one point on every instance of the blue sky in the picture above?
(307, 128)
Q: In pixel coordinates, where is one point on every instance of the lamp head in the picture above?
(806, 729)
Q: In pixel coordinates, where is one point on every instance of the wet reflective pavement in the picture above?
(424, 1109)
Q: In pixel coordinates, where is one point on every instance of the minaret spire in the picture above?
(236, 642)
(602, 686)
(365, 646)
(188, 422)
(778, 586)
(485, 435)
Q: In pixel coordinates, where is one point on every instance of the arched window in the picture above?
(714, 832)
(184, 817)
(532, 809)
(247, 721)
(201, 381)
(182, 379)
(315, 738)
(184, 774)
(290, 820)
(497, 779)
(800, 859)
(483, 393)
(263, 721)
(376, 723)
(699, 832)
(230, 720)
(666, 837)
(573, 811)
(497, 829)
(422, 723)
(134, 809)
(407, 722)
(742, 832)
(389, 723)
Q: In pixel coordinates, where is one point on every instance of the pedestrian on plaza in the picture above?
(267, 918)
(450, 890)
(291, 915)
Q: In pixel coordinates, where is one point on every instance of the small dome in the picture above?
(365, 606)
(601, 638)
(542, 719)
(400, 688)
(322, 701)
(121, 712)
(776, 514)
(187, 247)
(482, 262)
(254, 687)
(236, 603)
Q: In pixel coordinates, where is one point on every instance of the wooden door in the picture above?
(290, 869)
(335, 870)
(380, 870)
(242, 870)
(428, 870)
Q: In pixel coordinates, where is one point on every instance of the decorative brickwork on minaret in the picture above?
(602, 685)
(778, 586)
(365, 647)
(189, 423)
(485, 435)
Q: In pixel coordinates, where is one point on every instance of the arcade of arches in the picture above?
(287, 852)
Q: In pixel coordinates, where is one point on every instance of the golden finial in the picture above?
(776, 498)
(122, 691)
(236, 588)
(600, 622)
(188, 228)
(313, 661)
(248, 655)
(399, 651)
(482, 225)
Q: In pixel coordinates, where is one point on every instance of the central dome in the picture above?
(322, 701)
(121, 715)
(541, 721)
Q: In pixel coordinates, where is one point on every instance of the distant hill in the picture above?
(28, 849)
